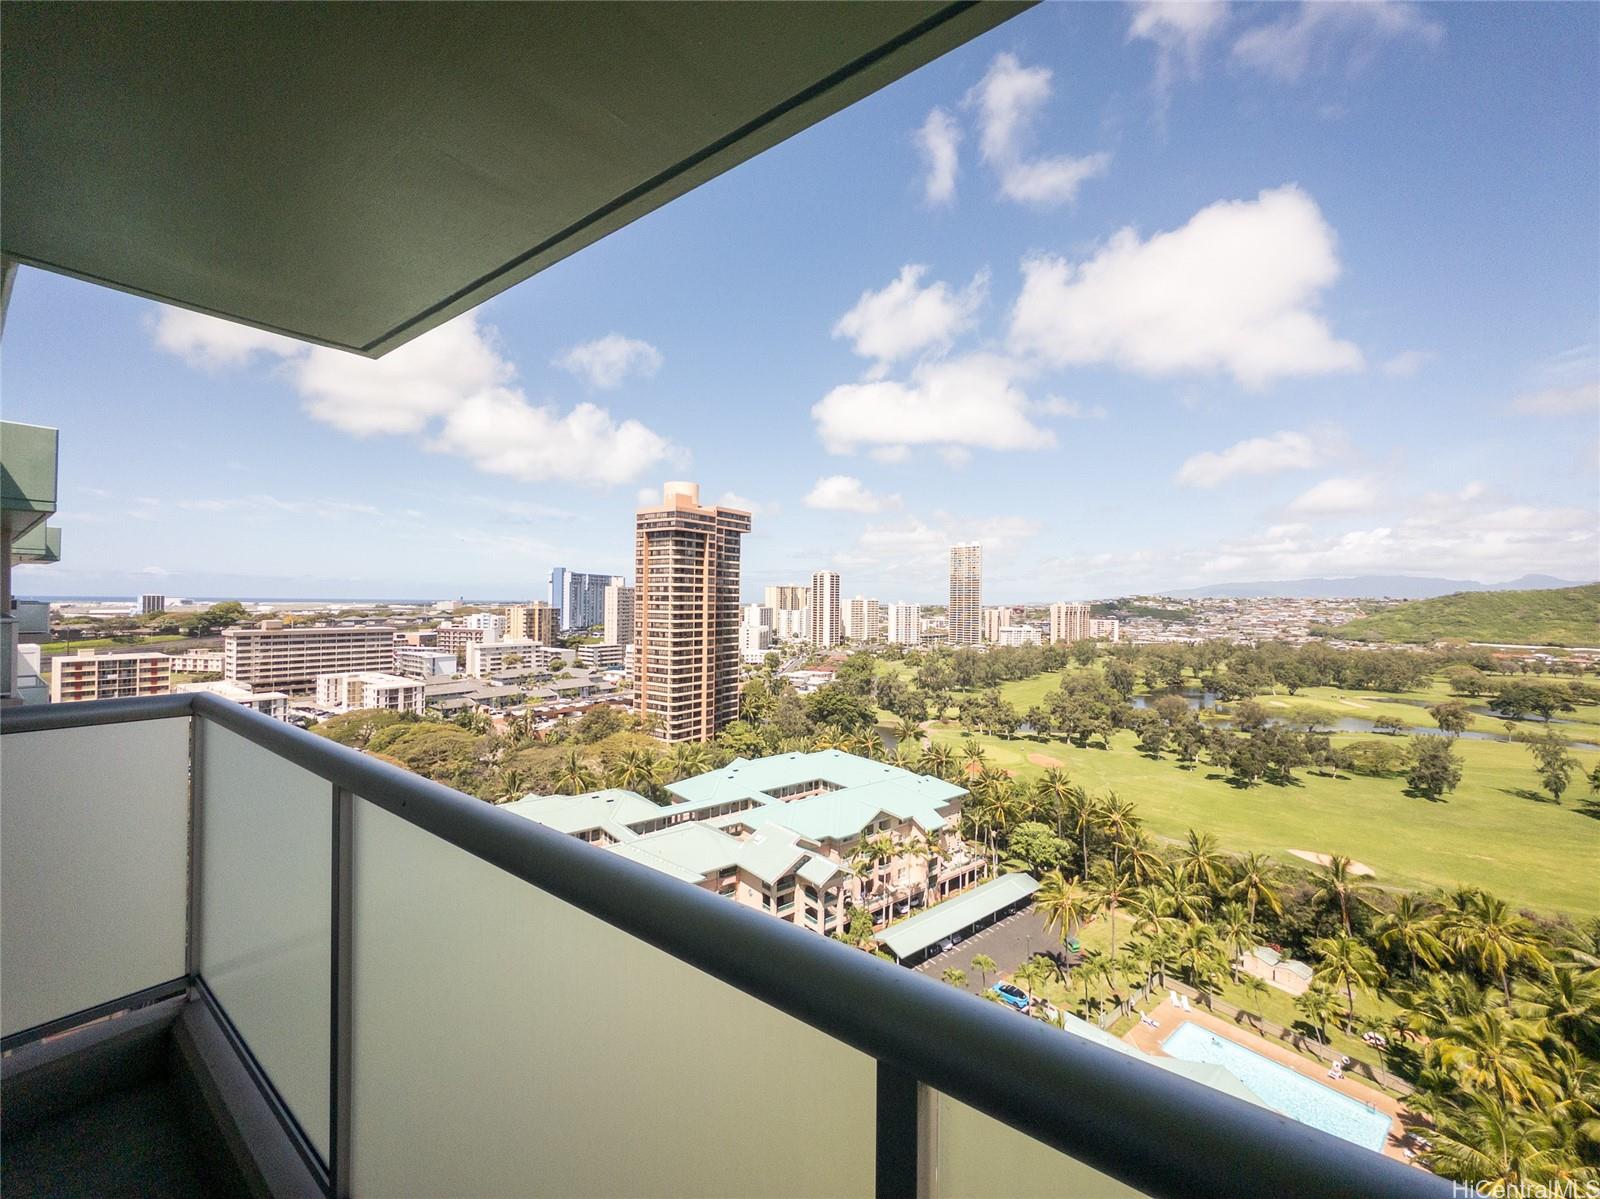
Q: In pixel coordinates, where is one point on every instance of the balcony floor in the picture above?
(131, 1142)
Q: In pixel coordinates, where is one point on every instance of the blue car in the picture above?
(1010, 995)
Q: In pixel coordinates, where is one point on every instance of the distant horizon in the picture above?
(1186, 593)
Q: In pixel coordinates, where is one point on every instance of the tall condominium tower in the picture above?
(827, 621)
(861, 619)
(905, 624)
(1069, 622)
(619, 615)
(579, 597)
(686, 614)
(537, 621)
(964, 615)
(790, 597)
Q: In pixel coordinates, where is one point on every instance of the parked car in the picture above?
(1011, 996)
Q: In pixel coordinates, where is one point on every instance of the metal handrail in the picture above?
(1162, 1134)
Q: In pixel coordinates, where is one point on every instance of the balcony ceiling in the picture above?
(355, 174)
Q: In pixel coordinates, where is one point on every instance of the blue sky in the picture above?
(1138, 296)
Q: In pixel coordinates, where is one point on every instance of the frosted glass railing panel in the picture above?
(507, 1044)
(265, 923)
(974, 1156)
(94, 853)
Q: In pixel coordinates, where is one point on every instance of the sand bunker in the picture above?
(1045, 760)
(1322, 859)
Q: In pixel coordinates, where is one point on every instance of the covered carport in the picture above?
(911, 940)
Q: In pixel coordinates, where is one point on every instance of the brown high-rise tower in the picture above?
(686, 614)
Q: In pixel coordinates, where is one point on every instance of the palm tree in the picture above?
(687, 759)
(1109, 890)
(955, 976)
(1066, 904)
(1237, 932)
(973, 756)
(1347, 963)
(906, 756)
(1567, 1002)
(1203, 861)
(1054, 792)
(574, 776)
(1317, 1004)
(1082, 812)
(513, 785)
(1140, 856)
(1490, 1142)
(1259, 992)
(1492, 1051)
(1410, 925)
(985, 966)
(939, 760)
(1093, 971)
(1189, 898)
(1256, 877)
(907, 732)
(1496, 938)
(1199, 955)
(634, 770)
(1339, 882)
(1118, 820)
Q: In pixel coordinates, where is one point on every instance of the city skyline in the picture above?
(966, 350)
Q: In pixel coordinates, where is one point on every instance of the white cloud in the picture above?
(939, 140)
(1338, 495)
(732, 499)
(843, 493)
(914, 552)
(891, 454)
(648, 497)
(1321, 35)
(1582, 400)
(210, 343)
(1008, 99)
(1179, 29)
(1072, 409)
(605, 362)
(1407, 363)
(502, 434)
(972, 402)
(1255, 456)
(905, 317)
(452, 387)
(1234, 290)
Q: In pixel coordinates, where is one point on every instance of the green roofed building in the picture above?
(910, 940)
(803, 836)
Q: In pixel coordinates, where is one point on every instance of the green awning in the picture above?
(355, 174)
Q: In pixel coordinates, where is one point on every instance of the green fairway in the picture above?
(1493, 831)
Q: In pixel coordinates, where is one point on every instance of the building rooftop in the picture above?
(953, 915)
(864, 790)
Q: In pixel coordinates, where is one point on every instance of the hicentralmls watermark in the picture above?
(1499, 1189)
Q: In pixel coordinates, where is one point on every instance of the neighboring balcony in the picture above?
(305, 972)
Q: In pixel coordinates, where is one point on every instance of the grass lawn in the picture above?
(1494, 831)
(63, 647)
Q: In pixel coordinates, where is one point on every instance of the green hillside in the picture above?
(1560, 616)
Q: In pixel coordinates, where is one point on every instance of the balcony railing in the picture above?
(437, 997)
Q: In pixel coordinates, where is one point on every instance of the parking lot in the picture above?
(1010, 943)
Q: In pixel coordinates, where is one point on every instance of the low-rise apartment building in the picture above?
(197, 661)
(272, 657)
(90, 675)
(418, 662)
(782, 834)
(359, 690)
(454, 638)
(269, 703)
(905, 624)
(1017, 634)
(534, 657)
(602, 656)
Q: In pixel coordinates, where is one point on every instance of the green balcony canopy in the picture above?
(355, 174)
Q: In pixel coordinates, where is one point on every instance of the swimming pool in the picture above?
(1281, 1088)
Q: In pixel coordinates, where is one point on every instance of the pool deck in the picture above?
(1148, 1040)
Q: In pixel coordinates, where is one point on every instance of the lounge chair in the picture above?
(1173, 995)
(1183, 1002)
